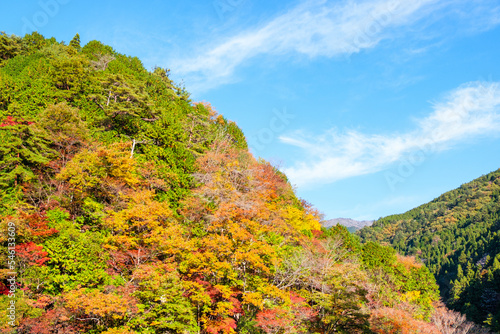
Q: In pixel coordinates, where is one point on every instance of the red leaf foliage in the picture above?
(9, 121)
(32, 254)
(37, 224)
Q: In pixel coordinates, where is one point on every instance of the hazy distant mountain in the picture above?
(351, 224)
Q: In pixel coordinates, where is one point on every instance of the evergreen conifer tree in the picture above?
(75, 42)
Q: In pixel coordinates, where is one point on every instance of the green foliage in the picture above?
(34, 42)
(349, 241)
(163, 305)
(23, 150)
(76, 258)
(375, 255)
(75, 42)
(95, 49)
(10, 46)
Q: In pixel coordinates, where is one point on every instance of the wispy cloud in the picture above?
(317, 28)
(469, 111)
(313, 28)
(487, 10)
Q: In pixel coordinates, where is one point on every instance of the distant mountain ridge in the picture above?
(348, 222)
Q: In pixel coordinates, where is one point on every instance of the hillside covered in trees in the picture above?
(457, 236)
(126, 207)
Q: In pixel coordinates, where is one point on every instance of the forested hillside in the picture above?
(126, 207)
(457, 236)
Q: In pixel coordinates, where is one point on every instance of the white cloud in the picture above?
(313, 28)
(469, 111)
(329, 29)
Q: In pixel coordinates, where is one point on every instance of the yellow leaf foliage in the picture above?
(300, 220)
(91, 169)
(120, 330)
(145, 222)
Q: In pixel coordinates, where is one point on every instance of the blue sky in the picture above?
(370, 107)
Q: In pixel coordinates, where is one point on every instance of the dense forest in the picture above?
(126, 207)
(457, 236)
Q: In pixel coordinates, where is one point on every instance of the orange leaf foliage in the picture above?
(391, 321)
(98, 304)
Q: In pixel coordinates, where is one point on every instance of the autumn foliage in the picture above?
(139, 211)
(392, 321)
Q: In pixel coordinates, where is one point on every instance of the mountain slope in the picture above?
(457, 236)
(125, 207)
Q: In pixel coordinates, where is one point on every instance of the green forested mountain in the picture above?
(457, 236)
(126, 207)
